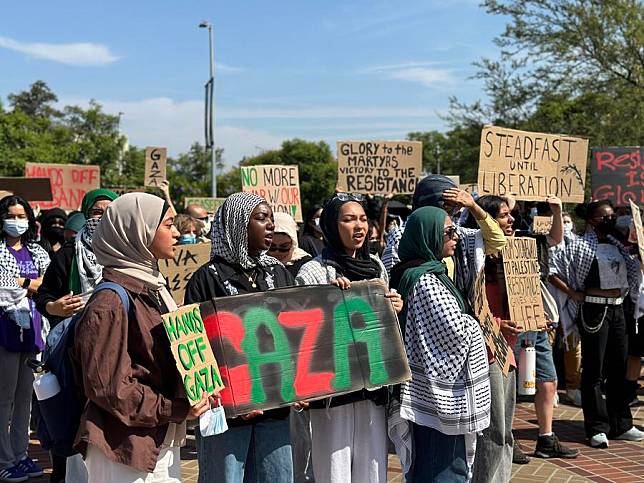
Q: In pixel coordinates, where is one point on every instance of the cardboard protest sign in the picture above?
(523, 283)
(278, 184)
(531, 166)
(286, 345)
(637, 221)
(617, 174)
(187, 259)
(379, 167)
(155, 166)
(31, 189)
(471, 188)
(541, 225)
(192, 352)
(69, 183)
(455, 177)
(209, 204)
(491, 330)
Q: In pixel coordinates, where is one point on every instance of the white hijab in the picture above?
(123, 237)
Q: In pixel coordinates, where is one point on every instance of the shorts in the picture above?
(546, 371)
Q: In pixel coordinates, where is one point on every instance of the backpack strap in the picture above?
(115, 287)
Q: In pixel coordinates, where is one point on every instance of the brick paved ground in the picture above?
(622, 462)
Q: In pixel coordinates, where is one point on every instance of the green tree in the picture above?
(317, 168)
(190, 173)
(36, 102)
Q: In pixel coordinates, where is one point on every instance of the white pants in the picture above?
(102, 470)
(349, 443)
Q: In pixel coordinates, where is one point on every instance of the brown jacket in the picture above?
(128, 376)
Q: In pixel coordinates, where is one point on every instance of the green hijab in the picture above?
(423, 240)
(93, 196)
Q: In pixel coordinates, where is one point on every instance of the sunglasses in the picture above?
(280, 249)
(451, 233)
(349, 197)
(606, 217)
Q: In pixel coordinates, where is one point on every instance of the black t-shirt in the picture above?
(206, 284)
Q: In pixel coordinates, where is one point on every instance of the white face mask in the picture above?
(213, 422)
(207, 226)
(567, 229)
(15, 228)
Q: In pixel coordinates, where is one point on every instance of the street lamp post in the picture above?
(209, 117)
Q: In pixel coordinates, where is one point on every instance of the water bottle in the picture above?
(46, 386)
(527, 370)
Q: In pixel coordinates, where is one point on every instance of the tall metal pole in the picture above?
(210, 110)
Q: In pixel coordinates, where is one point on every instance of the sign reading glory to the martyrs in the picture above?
(523, 283)
(278, 184)
(155, 166)
(379, 167)
(530, 166)
(192, 352)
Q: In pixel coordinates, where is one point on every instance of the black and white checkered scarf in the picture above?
(10, 292)
(230, 232)
(574, 264)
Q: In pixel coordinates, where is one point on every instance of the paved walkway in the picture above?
(622, 462)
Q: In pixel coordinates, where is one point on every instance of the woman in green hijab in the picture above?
(448, 396)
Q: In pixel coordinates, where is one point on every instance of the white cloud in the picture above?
(420, 72)
(219, 67)
(82, 53)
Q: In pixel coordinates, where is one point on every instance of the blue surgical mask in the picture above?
(15, 228)
(567, 229)
(187, 239)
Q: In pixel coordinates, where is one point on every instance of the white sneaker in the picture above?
(574, 397)
(632, 434)
(555, 403)
(600, 440)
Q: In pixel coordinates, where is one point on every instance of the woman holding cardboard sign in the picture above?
(257, 446)
(134, 419)
(597, 273)
(348, 432)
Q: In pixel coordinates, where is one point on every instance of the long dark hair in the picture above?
(8, 201)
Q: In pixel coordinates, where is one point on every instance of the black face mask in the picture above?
(607, 226)
(55, 234)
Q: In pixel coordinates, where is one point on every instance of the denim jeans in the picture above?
(253, 453)
(438, 457)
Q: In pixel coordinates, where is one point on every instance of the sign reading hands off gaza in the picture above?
(379, 167)
(530, 166)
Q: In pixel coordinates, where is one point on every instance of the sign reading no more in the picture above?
(278, 184)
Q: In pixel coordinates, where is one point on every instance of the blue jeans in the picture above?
(438, 457)
(252, 453)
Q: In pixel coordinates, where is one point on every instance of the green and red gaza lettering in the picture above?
(244, 383)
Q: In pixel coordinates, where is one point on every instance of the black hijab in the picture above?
(362, 267)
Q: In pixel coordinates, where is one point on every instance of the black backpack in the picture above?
(60, 414)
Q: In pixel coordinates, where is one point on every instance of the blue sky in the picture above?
(316, 70)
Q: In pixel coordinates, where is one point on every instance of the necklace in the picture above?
(252, 278)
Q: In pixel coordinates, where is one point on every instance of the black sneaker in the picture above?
(518, 456)
(550, 447)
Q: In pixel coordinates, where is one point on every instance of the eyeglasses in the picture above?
(349, 197)
(606, 217)
(280, 249)
(451, 233)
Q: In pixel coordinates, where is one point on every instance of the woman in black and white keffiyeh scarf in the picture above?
(596, 272)
(241, 235)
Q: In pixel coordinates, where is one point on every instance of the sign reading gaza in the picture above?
(278, 184)
(292, 344)
(617, 174)
(379, 167)
(530, 166)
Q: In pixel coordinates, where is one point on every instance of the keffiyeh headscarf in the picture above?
(230, 231)
(122, 239)
(85, 270)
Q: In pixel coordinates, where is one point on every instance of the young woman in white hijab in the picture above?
(134, 419)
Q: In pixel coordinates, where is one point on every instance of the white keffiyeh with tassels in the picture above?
(11, 294)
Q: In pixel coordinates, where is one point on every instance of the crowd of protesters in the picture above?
(451, 422)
